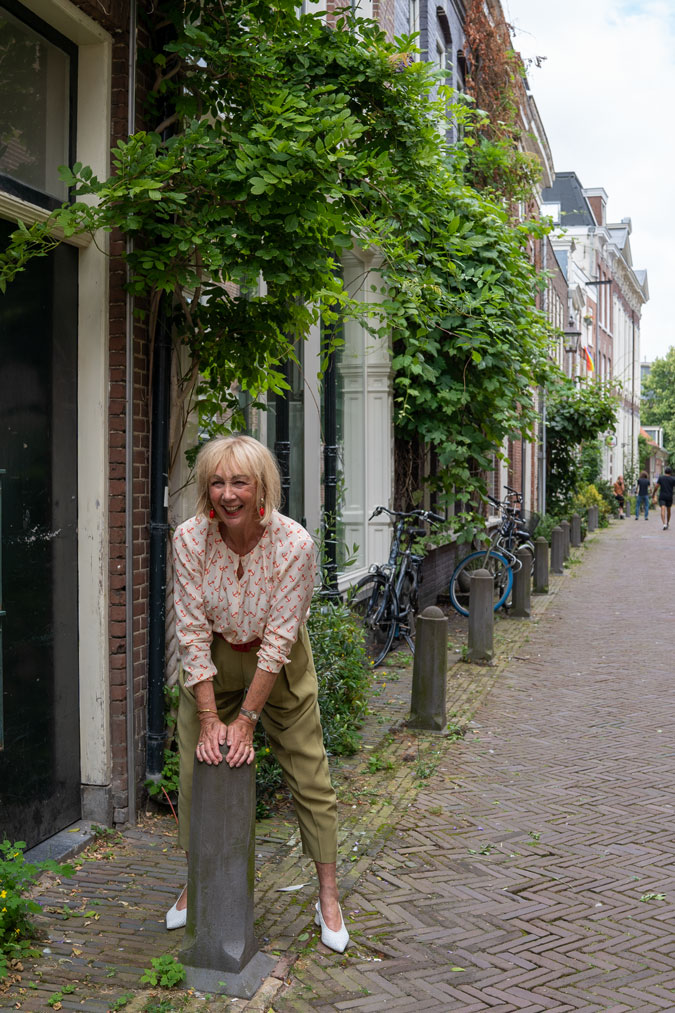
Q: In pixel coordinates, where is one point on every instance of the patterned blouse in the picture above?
(271, 600)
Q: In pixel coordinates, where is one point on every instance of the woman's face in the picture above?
(234, 498)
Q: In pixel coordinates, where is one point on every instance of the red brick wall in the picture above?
(114, 17)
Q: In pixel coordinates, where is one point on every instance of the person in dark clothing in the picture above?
(665, 484)
(642, 498)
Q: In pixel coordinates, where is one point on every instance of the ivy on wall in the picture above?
(291, 140)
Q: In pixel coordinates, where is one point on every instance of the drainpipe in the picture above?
(330, 457)
(159, 531)
(129, 467)
(282, 442)
(632, 397)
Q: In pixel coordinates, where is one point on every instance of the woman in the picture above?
(244, 576)
(619, 495)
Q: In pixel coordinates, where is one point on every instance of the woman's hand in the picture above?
(212, 735)
(240, 741)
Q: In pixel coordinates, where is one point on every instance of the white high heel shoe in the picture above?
(337, 941)
(176, 919)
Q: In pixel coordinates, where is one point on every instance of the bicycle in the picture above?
(499, 558)
(385, 600)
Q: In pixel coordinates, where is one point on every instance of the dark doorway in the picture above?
(39, 751)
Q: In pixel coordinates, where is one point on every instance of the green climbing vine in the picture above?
(577, 413)
(280, 142)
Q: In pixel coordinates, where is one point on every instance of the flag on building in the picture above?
(589, 362)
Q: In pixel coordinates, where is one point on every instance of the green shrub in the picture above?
(546, 525)
(16, 878)
(342, 673)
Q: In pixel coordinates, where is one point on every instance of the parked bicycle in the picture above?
(515, 531)
(385, 600)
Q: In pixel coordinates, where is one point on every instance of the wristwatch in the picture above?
(251, 715)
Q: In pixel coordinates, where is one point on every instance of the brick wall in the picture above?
(114, 17)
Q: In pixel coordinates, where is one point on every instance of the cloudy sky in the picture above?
(606, 95)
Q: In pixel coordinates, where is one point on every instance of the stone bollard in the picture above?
(540, 566)
(565, 526)
(430, 669)
(220, 952)
(575, 531)
(557, 550)
(481, 616)
(592, 518)
(522, 582)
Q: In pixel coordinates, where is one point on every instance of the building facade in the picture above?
(607, 294)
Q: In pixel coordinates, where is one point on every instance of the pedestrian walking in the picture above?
(244, 578)
(620, 495)
(642, 498)
(665, 484)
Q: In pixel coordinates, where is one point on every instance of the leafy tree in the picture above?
(577, 413)
(290, 141)
(658, 398)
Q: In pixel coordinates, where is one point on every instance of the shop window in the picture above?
(37, 112)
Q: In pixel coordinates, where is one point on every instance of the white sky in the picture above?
(606, 96)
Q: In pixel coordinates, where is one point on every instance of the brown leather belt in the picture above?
(243, 648)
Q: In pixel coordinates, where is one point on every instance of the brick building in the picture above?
(74, 438)
(609, 293)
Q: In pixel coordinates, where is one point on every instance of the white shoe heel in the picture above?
(176, 919)
(337, 941)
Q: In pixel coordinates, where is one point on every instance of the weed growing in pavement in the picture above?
(454, 732)
(121, 1002)
(16, 878)
(163, 1006)
(534, 836)
(377, 762)
(55, 999)
(425, 768)
(652, 896)
(166, 972)
(106, 834)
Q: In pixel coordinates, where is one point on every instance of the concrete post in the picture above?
(481, 616)
(575, 531)
(522, 582)
(565, 526)
(430, 668)
(556, 550)
(540, 566)
(220, 952)
(591, 523)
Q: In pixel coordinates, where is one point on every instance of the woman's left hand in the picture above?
(240, 741)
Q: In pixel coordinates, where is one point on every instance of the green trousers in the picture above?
(293, 726)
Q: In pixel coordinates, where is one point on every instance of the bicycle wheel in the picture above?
(373, 602)
(498, 566)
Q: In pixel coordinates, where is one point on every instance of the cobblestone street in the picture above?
(525, 866)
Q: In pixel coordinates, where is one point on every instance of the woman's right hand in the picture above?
(212, 735)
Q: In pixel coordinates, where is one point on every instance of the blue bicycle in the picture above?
(499, 557)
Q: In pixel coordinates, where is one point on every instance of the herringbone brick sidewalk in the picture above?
(466, 867)
(536, 870)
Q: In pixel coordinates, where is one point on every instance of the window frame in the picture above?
(14, 187)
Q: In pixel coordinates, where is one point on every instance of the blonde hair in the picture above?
(241, 455)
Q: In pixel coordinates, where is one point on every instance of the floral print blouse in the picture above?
(271, 600)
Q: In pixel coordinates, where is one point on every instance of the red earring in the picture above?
(262, 511)
(212, 513)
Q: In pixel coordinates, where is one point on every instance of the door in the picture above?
(39, 740)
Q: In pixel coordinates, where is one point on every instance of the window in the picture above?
(37, 113)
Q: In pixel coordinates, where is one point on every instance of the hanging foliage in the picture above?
(291, 141)
(577, 413)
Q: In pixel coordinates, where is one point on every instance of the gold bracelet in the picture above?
(207, 710)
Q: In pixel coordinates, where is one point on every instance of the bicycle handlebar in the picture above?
(426, 515)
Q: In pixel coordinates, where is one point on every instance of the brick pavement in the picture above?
(471, 870)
